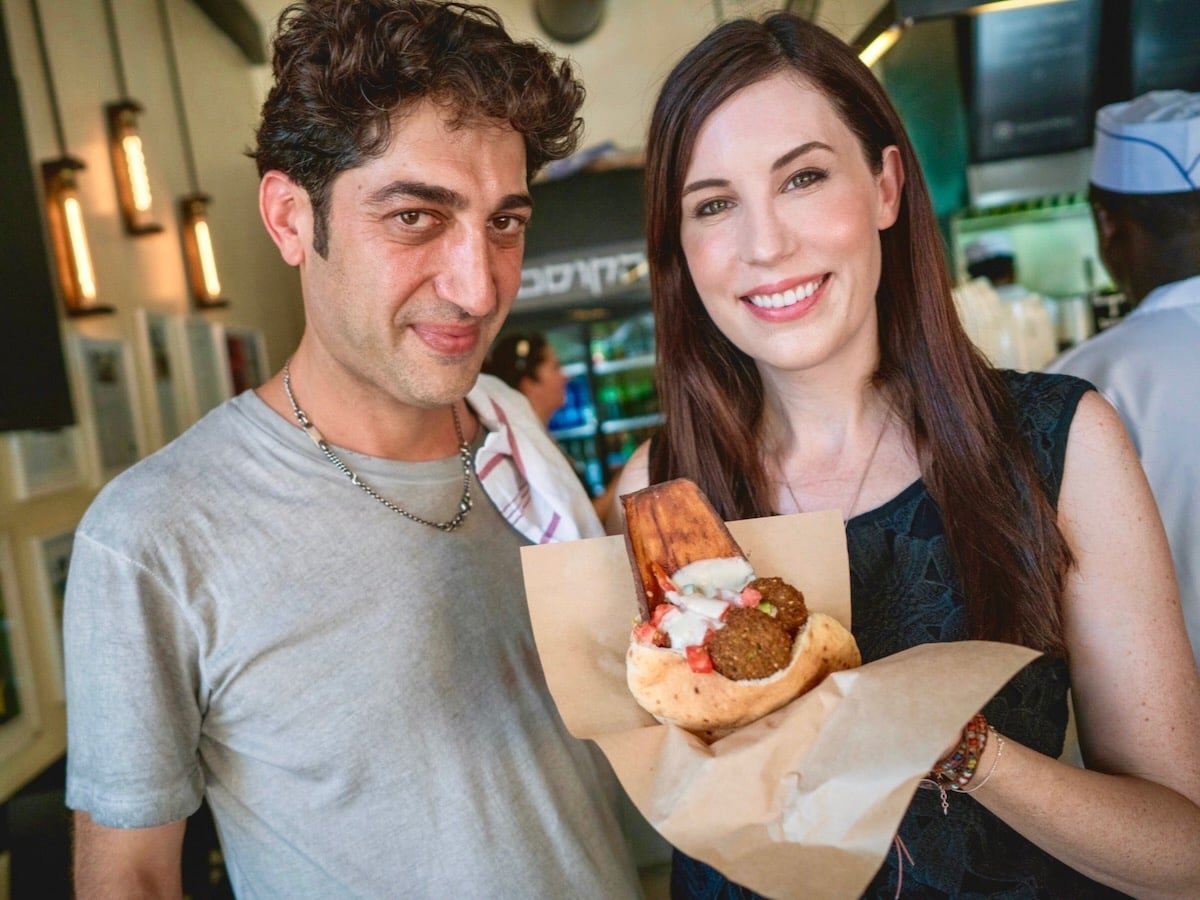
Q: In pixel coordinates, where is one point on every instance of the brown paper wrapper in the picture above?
(805, 801)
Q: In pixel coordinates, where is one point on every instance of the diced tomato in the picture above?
(699, 660)
(751, 596)
(660, 612)
(644, 632)
(664, 580)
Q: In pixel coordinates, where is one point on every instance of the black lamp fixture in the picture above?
(199, 258)
(125, 146)
(68, 232)
(888, 25)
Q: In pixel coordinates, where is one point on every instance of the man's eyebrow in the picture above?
(788, 157)
(439, 196)
(516, 201)
(417, 190)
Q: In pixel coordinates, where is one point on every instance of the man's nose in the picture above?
(468, 276)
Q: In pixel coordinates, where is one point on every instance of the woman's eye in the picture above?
(805, 178)
(712, 207)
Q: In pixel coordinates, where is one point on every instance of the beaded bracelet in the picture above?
(956, 770)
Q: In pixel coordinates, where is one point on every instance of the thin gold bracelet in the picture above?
(995, 762)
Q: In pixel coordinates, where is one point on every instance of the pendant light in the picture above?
(125, 146)
(68, 232)
(198, 256)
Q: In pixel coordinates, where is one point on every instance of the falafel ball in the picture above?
(791, 610)
(751, 645)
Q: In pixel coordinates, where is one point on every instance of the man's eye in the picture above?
(508, 224)
(410, 217)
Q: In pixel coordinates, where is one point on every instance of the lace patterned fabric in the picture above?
(905, 592)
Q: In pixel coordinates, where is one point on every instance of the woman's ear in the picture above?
(890, 182)
(287, 213)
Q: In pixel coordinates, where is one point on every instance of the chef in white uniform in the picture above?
(1145, 196)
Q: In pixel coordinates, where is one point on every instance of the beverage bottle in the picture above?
(612, 399)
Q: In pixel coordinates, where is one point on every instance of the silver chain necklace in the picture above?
(787, 483)
(464, 453)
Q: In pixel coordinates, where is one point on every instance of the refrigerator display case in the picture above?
(612, 403)
(583, 286)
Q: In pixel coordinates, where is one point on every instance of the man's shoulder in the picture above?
(1099, 353)
(158, 490)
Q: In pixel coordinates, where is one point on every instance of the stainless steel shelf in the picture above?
(578, 431)
(631, 423)
(607, 366)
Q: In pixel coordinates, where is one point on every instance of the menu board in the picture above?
(1166, 45)
(1033, 79)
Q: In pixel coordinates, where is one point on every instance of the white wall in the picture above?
(222, 99)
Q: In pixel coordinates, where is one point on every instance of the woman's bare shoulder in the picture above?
(634, 477)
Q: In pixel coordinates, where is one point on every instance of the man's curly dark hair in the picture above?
(346, 71)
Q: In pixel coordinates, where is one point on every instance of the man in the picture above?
(991, 256)
(306, 609)
(1146, 204)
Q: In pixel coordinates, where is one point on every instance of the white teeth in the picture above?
(785, 298)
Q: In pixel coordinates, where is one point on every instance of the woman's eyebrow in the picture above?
(797, 152)
(788, 157)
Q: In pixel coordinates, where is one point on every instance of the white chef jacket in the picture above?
(1148, 366)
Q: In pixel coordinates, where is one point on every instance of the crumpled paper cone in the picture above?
(805, 801)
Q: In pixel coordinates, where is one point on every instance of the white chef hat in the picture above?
(988, 246)
(1149, 145)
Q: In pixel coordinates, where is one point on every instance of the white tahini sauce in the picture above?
(705, 590)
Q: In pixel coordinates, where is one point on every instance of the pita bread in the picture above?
(711, 705)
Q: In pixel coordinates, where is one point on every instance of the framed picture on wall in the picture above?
(20, 718)
(108, 404)
(160, 352)
(247, 352)
(208, 364)
(52, 557)
(44, 462)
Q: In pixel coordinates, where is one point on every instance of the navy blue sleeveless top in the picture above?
(905, 592)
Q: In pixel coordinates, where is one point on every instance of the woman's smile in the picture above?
(786, 300)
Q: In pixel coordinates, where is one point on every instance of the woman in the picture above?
(528, 363)
(810, 357)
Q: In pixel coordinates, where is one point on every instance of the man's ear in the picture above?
(287, 212)
(1111, 231)
(1107, 225)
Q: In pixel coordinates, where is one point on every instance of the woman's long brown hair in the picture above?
(1000, 525)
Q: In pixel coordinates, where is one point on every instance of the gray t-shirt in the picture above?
(358, 695)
